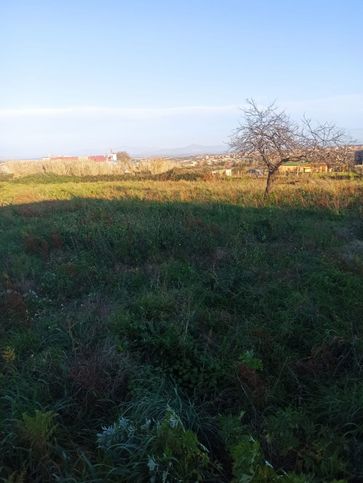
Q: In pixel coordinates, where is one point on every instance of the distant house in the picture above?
(112, 157)
(99, 158)
(303, 168)
(235, 172)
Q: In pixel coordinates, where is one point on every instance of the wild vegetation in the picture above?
(85, 167)
(168, 331)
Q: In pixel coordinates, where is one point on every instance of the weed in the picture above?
(38, 429)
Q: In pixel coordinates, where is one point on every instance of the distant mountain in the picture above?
(191, 150)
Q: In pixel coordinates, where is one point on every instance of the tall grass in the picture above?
(83, 167)
(312, 192)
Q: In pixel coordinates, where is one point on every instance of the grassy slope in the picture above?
(243, 316)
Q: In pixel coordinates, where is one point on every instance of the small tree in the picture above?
(272, 138)
(269, 136)
(123, 157)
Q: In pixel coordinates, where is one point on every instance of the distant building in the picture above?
(112, 157)
(303, 168)
(99, 158)
(235, 172)
(102, 158)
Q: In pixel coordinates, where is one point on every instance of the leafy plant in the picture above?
(248, 358)
(38, 429)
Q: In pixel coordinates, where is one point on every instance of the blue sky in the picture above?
(83, 76)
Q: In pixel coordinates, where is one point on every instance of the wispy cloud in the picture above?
(340, 106)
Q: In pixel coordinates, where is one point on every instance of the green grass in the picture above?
(180, 331)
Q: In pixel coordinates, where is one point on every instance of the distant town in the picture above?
(227, 164)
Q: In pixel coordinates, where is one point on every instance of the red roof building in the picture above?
(99, 158)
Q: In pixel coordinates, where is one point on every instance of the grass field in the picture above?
(186, 331)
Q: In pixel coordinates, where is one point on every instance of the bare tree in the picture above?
(272, 138)
(327, 144)
(269, 136)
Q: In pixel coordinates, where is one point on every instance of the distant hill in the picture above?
(190, 150)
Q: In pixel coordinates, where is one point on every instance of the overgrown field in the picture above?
(185, 331)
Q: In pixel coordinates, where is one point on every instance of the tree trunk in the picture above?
(270, 178)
